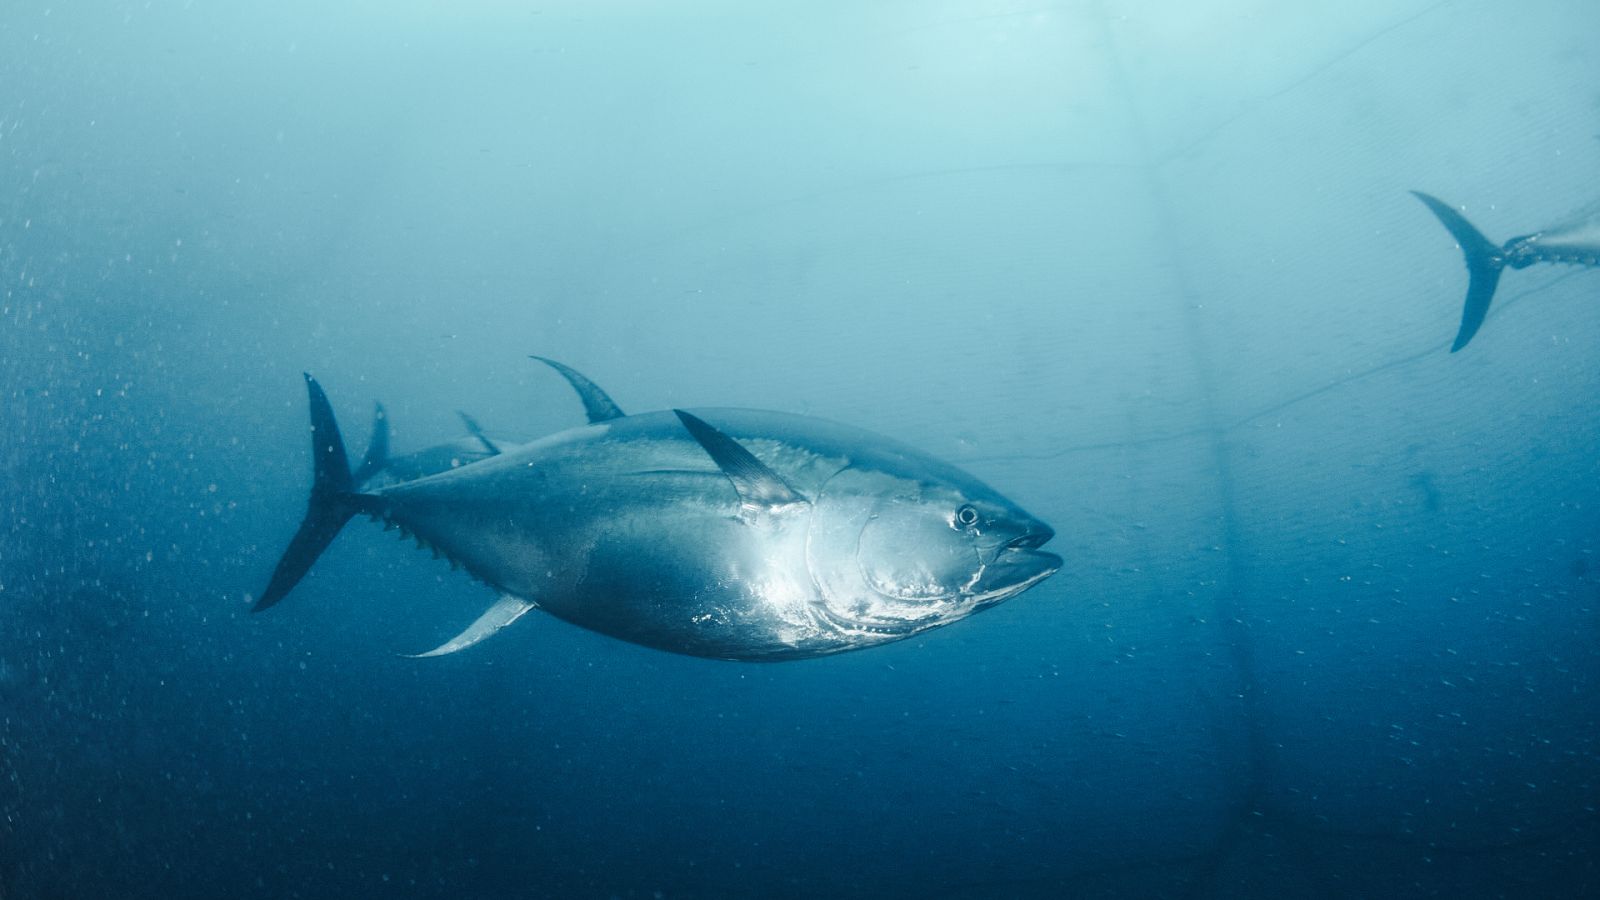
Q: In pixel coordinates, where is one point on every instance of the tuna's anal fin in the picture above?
(758, 486)
(506, 610)
(474, 429)
(1484, 260)
(596, 403)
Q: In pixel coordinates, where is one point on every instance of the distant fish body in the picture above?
(735, 534)
(378, 469)
(1577, 244)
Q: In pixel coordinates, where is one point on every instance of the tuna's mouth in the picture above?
(1017, 565)
(1016, 569)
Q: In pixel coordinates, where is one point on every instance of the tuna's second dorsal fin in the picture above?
(377, 446)
(597, 404)
(474, 429)
(757, 484)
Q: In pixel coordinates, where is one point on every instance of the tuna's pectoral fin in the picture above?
(757, 485)
(506, 610)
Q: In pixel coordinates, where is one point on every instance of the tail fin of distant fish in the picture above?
(1484, 259)
(333, 500)
(377, 446)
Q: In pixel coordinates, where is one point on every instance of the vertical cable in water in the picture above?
(1229, 598)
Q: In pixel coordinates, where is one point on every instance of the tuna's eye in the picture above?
(967, 516)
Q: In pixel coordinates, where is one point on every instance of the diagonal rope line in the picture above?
(1277, 406)
(1317, 72)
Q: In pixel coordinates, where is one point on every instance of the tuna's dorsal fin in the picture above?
(474, 429)
(757, 485)
(597, 404)
(377, 446)
(506, 610)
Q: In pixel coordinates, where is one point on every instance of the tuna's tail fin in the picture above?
(1484, 264)
(333, 501)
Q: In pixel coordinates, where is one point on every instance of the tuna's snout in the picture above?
(1037, 535)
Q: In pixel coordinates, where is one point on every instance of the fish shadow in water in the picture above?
(1431, 497)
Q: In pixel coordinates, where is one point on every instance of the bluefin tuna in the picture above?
(378, 469)
(727, 533)
(1575, 244)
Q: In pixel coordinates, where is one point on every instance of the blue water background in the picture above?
(1328, 622)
